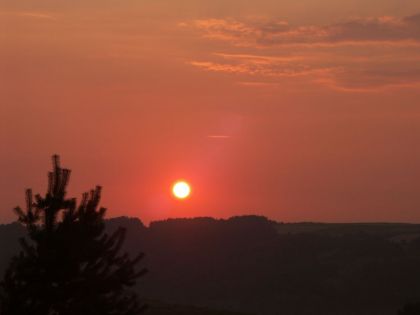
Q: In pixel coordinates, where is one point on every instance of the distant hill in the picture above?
(253, 265)
(159, 308)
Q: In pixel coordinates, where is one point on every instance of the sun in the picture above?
(181, 189)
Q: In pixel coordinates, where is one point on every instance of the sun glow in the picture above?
(181, 189)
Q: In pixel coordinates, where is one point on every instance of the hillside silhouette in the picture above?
(256, 266)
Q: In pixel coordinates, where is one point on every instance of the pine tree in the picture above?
(68, 265)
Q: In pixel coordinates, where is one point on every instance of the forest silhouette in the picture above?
(65, 258)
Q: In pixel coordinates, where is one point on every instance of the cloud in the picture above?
(38, 15)
(265, 33)
(257, 84)
(265, 66)
(32, 15)
(364, 54)
(219, 137)
(375, 79)
(358, 74)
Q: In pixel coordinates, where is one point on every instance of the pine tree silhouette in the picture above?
(69, 265)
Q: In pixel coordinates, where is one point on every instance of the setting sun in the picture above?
(181, 189)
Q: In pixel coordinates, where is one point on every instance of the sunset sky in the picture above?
(297, 110)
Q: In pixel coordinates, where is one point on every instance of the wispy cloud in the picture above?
(257, 84)
(30, 14)
(357, 54)
(253, 67)
(218, 136)
(277, 32)
(38, 15)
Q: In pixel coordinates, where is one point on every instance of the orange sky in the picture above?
(297, 110)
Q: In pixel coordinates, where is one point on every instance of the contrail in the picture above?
(218, 137)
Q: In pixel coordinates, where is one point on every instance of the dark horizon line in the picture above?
(252, 215)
